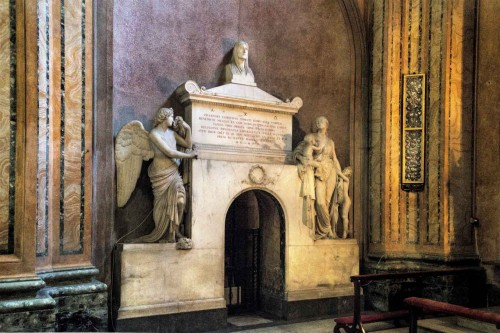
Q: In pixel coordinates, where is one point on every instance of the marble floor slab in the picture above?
(322, 326)
(247, 320)
(255, 323)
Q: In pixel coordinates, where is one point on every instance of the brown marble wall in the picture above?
(7, 110)
(49, 136)
(488, 132)
(297, 48)
(42, 230)
(17, 138)
(64, 133)
(103, 205)
(435, 38)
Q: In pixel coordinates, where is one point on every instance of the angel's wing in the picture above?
(132, 146)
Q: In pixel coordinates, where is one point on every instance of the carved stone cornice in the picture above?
(190, 92)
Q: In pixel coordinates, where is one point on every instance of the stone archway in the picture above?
(254, 261)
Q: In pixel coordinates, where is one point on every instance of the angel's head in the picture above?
(162, 115)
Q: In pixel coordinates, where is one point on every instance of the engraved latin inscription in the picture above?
(248, 129)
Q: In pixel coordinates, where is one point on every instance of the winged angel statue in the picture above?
(133, 145)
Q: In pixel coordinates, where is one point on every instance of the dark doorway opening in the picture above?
(254, 254)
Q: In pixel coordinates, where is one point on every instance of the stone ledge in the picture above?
(77, 289)
(243, 155)
(30, 304)
(148, 247)
(21, 285)
(335, 241)
(170, 308)
(318, 293)
(68, 274)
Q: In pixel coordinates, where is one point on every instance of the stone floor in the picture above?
(257, 324)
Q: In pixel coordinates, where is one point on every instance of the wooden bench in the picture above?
(354, 324)
(418, 304)
(346, 323)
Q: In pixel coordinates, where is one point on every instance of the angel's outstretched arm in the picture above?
(156, 139)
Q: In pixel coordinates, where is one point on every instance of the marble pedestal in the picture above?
(157, 279)
(163, 287)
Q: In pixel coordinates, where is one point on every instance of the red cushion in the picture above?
(428, 304)
(374, 317)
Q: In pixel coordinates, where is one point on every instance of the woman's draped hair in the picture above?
(319, 120)
(240, 43)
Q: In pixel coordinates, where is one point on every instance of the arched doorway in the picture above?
(254, 274)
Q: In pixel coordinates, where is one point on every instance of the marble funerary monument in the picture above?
(242, 138)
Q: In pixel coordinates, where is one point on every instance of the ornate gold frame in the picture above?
(413, 133)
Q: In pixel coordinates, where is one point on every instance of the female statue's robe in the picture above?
(325, 182)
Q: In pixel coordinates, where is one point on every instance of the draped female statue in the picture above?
(327, 187)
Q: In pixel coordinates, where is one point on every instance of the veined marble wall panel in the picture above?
(18, 104)
(392, 119)
(72, 129)
(64, 132)
(8, 121)
(44, 37)
(432, 210)
(376, 128)
(431, 37)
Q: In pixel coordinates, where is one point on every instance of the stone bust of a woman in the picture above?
(238, 71)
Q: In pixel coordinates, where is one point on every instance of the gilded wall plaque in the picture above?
(413, 133)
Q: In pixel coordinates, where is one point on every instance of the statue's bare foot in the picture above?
(344, 235)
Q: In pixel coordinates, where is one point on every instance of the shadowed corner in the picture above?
(227, 49)
(298, 133)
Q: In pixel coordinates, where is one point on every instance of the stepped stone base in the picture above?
(61, 301)
(29, 320)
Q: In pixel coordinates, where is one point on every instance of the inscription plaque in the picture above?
(236, 122)
(239, 128)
